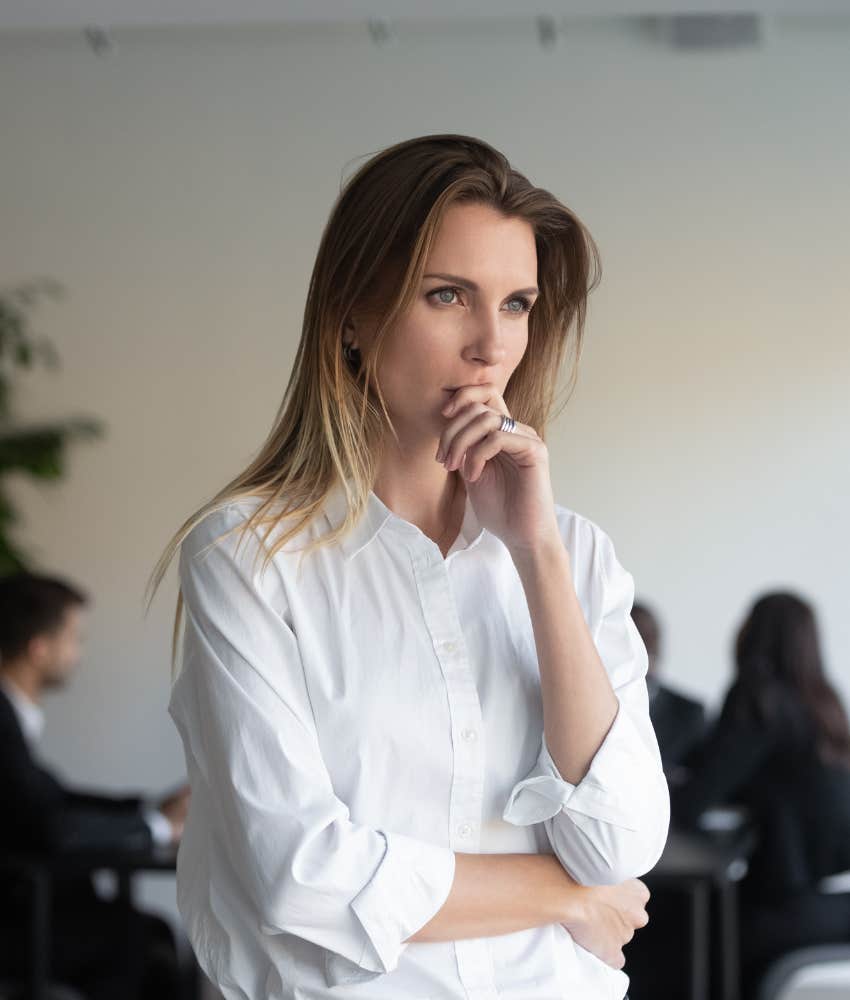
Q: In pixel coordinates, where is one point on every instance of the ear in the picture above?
(38, 649)
(349, 328)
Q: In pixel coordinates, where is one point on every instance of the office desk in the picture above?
(38, 872)
(708, 867)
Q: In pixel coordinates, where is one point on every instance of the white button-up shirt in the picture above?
(349, 725)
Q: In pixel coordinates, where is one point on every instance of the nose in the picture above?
(488, 341)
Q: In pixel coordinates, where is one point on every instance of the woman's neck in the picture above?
(419, 490)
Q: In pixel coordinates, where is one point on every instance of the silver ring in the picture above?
(508, 424)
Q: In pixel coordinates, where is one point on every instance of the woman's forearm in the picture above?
(579, 704)
(496, 894)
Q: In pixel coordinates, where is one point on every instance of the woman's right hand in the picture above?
(607, 918)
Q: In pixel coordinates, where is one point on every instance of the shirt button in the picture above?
(464, 830)
(449, 647)
(469, 735)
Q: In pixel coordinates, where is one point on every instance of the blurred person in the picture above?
(781, 748)
(679, 721)
(658, 960)
(421, 758)
(41, 635)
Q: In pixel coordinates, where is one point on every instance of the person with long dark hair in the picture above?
(780, 747)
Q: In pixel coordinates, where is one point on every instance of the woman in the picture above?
(781, 748)
(412, 699)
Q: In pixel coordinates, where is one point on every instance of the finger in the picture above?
(470, 427)
(453, 426)
(486, 393)
(470, 413)
(523, 449)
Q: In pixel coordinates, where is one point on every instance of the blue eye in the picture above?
(441, 291)
(453, 291)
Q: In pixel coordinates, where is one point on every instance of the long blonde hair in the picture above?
(371, 258)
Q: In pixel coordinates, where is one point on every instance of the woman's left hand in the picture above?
(506, 473)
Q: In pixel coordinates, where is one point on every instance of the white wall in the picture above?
(177, 187)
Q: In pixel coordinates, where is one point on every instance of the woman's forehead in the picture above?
(483, 246)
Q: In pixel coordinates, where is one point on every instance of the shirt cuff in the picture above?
(610, 791)
(160, 827)
(409, 886)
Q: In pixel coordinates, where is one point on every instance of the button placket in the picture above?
(467, 788)
(466, 798)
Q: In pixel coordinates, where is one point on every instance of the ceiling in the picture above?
(28, 15)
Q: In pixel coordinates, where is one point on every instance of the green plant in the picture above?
(38, 450)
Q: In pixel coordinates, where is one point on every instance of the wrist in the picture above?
(575, 905)
(540, 557)
(569, 899)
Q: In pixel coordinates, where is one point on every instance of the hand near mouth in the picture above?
(506, 473)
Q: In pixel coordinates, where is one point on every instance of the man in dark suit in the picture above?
(679, 721)
(40, 639)
(657, 960)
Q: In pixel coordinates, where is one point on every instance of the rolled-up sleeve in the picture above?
(613, 824)
(241, 705)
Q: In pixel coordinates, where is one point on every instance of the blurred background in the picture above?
(172, 166)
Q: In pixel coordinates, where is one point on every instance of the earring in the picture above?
(351, 354)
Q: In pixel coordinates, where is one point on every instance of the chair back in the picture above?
(817, 973)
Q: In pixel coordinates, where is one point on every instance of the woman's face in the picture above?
(469, 322)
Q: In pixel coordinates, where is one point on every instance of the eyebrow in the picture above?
(466, 283)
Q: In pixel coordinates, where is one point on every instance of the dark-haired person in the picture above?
(781, 747)
(41, 635)
(420, 754)
(678, 721)
(656, 966)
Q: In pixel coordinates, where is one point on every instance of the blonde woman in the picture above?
(411, 697)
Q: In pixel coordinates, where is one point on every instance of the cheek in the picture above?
(419, 346)
(69, 648)
(519, 347)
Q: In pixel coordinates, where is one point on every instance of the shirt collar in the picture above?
(377, 517)
(30, 715)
